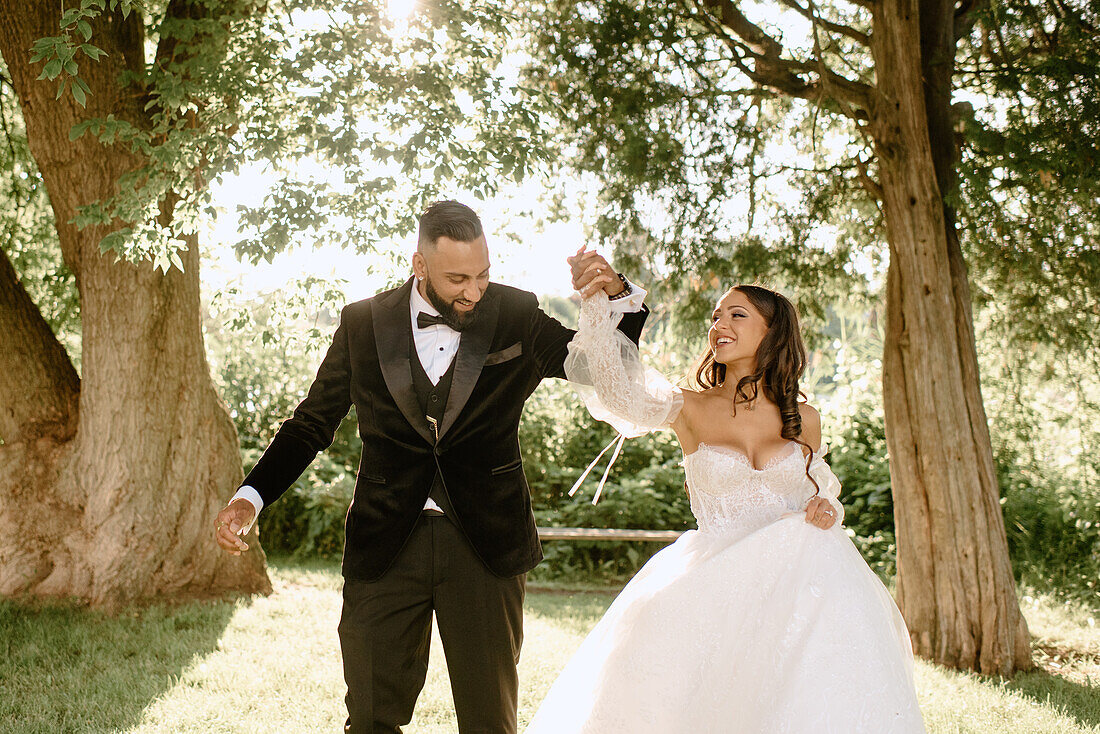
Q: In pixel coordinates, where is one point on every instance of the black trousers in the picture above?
(385, 630)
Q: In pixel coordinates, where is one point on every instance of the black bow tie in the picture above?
(424, 320)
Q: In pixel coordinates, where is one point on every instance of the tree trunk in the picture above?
(110, 485)
(955, 585)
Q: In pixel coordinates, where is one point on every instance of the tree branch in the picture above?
(966, 15)
(39, 388)
(828, 25)
(873, 187)
(769, 69)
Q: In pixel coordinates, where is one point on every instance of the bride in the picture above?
(765, 619)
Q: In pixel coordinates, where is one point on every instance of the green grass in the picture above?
(272, 665)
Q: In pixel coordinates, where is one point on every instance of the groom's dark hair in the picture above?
(447, 219)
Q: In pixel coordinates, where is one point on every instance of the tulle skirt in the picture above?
(776, 630)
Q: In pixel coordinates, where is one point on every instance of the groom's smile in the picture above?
(453, 275)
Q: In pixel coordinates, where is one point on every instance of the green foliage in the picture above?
(712, 179)
(844, 382)
(264, 357)
(384, 115)
(692, 160)
(1045, 426)
(59, 54)
(309, 519)
(1029, 177)
(858, 457)
(652, 499)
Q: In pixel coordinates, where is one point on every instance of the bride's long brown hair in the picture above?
(780, 361)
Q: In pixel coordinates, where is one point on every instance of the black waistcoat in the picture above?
(433, 402)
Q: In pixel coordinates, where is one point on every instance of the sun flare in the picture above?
(400, 10)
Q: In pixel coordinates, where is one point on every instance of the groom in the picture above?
(438, 371)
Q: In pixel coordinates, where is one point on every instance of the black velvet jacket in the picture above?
(501, 359)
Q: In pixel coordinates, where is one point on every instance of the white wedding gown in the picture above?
(757, 622)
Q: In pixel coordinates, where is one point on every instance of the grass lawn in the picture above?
(273, 665)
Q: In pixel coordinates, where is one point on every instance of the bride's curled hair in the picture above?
(780, 361)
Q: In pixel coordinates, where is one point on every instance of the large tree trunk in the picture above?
(110, 485)
(955, 584)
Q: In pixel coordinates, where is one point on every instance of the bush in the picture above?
(262, 379)
(309, 519)
(645, 489)
(858, 457)
(1052, 526)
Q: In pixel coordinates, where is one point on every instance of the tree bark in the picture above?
(955, 585)
(121, 508)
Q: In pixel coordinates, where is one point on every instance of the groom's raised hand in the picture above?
(591, 272)
(233, 522)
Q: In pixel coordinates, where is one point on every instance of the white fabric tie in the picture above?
(617, 442)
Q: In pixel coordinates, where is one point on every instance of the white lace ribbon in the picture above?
(617, 442)
(607, 372)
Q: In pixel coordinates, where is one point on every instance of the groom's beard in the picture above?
(451, 317)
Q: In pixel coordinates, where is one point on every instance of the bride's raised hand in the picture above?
(820, 513)
(591, 273)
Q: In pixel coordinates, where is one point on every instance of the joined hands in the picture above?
(592, 273)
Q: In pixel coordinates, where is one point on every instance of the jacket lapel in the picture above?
(393, 340)
(472, 350)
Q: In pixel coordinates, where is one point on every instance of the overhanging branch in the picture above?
(760, 58)
(831, 26)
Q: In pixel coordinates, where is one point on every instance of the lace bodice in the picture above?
(727, 492)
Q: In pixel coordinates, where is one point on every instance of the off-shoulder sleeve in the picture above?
(607, 372)
(829, 485)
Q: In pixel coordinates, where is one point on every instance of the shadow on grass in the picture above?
(65, 668)
(1081, 702)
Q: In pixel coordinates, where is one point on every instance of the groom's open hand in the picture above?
(233, 522)
(591, 272)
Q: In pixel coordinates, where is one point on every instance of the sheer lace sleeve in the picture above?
(827, 481)
(607, 372)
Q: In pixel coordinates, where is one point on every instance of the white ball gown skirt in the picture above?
(774, 630)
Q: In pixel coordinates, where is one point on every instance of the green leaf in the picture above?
(85, 29)
(77, 131)
(41, 49)
(78, 94)
(53, 68)
(93, 52)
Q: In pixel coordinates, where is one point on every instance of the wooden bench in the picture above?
(661, 536)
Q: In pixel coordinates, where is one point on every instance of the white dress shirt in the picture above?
(436, 347)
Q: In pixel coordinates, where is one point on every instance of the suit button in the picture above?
(435, 398)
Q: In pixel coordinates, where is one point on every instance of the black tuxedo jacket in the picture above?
(500, 361)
